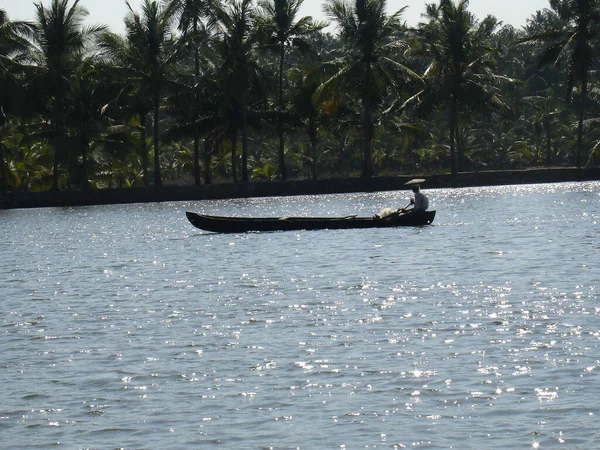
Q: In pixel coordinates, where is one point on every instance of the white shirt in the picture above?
(421, 202)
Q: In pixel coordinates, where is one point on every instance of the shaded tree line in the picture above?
(198, 91)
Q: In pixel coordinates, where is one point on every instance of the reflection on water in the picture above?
(124, 326)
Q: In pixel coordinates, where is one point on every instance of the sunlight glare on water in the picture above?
(124, 326)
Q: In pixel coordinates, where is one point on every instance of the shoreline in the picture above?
(14, 200)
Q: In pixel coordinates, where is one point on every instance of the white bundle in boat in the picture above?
(385, 212)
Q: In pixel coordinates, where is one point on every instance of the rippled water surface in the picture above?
(125, 327)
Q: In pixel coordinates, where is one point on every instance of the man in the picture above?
(420, 202)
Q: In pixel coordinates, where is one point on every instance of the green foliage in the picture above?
(370, 68)
(567, 37)
(267, 172)
(461, 73)
(196, 81)
(279, 31)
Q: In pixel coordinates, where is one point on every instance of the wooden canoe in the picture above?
(221, 224)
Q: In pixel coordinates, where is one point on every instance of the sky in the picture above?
(112, 12)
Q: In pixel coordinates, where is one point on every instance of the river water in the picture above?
(125, 327)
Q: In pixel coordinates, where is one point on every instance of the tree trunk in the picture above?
(312, 132)
(3, 172)
(453, 121)
(85, 182)
(55, 165)
(459, 149)
(197, 160)
(549, 157)
(582, 99)
(367, 145)
(58, 127)
(195, 115)
(367, 128)
(280, 115)
(157, 177)
(207, 161)
(144, 149)
(234, 155)
(244, 144)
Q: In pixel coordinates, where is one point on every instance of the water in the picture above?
(125, 327)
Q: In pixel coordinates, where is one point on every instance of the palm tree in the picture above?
(147, 56)
(60, 38)
(460, 75)
(370, 39)
(305, 81)
(191, 14)
(276, 21)
(13, 51)
(569, 41)
(239, 72)
(87, 95)
(541, 114)
(132, 103)
(196, 107)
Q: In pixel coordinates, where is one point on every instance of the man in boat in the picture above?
(420, 202)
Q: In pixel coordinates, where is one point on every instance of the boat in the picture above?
(221, 224)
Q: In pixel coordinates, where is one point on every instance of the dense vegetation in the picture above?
(197, 91)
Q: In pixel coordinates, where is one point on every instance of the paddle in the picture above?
(403, 210)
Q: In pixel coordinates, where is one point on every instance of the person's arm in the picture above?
(406, 209)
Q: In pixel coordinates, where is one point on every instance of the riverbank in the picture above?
(287, 188)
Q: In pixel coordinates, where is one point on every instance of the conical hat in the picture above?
(415, 181)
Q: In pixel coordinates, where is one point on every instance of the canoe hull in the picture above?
(221, 224)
